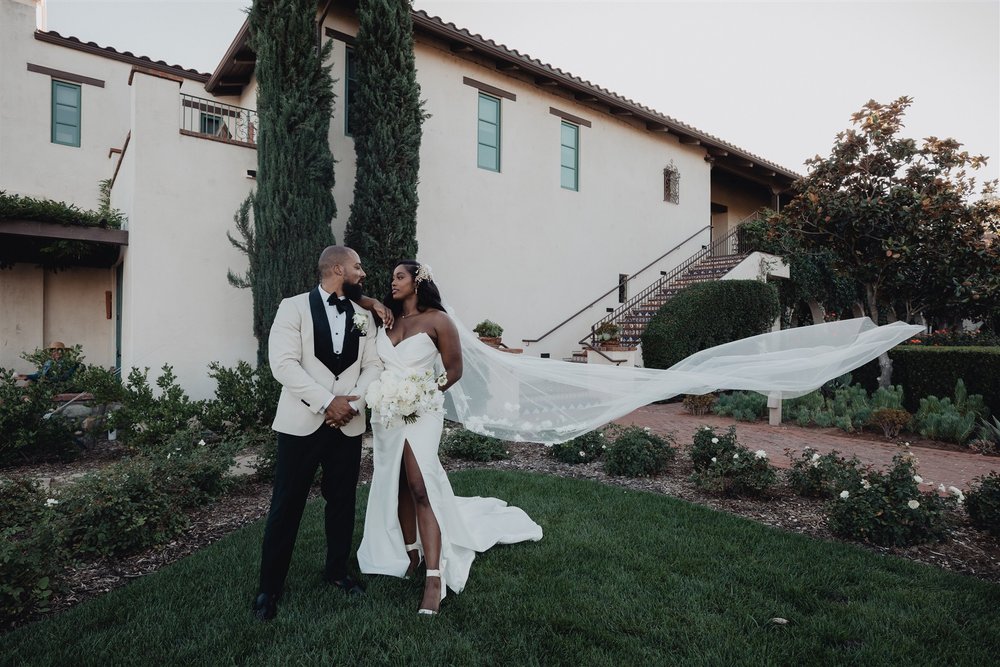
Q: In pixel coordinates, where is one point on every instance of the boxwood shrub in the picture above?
(707, 314)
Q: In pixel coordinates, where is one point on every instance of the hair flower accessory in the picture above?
(424, 273)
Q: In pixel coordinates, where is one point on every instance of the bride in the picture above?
(412, 510)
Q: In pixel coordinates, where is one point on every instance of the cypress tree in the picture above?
(293, 205)
(388, 113)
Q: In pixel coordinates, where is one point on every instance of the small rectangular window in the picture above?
(210, 124)
(488, 138)
(65, 113)
(671, 185)
(350, 87)
(569, 165)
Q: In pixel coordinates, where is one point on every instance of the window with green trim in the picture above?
(569, 156)
(489, 132)
(350, 86)
(65, 113)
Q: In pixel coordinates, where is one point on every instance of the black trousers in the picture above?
(298, 459)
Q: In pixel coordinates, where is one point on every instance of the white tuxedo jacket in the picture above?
(306, 381)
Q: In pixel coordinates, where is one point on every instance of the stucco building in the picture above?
(538, 191)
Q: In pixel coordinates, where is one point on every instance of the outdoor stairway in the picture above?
(711, 268)
(633, 322)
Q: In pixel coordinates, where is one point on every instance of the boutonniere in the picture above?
(360, 321)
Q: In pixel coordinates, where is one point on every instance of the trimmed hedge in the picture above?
(933, 371)
(707, 314)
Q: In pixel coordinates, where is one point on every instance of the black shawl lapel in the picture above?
(322, 338)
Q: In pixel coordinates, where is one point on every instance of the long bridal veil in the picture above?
(521, 398)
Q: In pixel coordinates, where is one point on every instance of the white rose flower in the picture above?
(646, 429)
(845, 494)
(201, 443)
(865, 484)
(51, 502)
(736, 456)
(582, 453)
(941, 489)
(761, 454)
(604, 446)
(715, 441)
(913, 504)
(815, 457)
(714, 460)
(918, 479)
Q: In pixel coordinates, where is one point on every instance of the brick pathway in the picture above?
(936, 466)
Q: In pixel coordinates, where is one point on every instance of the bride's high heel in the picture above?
(410, 571)
(432, 612)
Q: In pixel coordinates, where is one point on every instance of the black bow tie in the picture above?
(341, 304)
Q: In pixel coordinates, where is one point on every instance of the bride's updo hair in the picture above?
(428, 295)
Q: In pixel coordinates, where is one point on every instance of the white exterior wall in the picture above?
(63, 173)
(178, 307)
(21, 315)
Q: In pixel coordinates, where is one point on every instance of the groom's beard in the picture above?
(353, 291)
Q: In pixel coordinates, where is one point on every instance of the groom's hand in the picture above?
(339, 412)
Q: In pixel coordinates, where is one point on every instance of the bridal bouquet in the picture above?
(397, 398)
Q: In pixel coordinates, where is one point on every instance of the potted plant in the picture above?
(606, 334)
(489, 332)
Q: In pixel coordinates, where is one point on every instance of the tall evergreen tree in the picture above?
(388, 115)
(293, 204)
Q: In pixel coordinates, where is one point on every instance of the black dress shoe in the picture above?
(348, 584)
(265, 607)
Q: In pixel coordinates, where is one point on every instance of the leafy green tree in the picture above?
(388, 114)
(293, 205)
(898, 217)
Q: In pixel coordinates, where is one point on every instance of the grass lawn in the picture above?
(620, 578)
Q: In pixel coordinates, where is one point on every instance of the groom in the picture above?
(322, 351)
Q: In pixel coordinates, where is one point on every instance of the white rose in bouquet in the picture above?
(396, 399)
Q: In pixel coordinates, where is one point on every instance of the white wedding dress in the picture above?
(468, 525)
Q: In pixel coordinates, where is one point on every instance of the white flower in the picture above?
(845, 494)
(604, 446)
(442, 380)
(815, 457)
(646, 429)
(168, 456)
(201, 443)
(715, 441)
(736, 456)
(424, 272)
(761, 454)
(913, 504)
(360, 321)
(941, 488)
(714, 460)
(706, 428)
(865, 484)
(601, 434)
(51, 502)
(957, 492)
(582, 453)
(918, 479)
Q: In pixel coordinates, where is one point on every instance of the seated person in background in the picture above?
(54, 369)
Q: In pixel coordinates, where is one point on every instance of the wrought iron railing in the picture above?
(212, 119)
(734, 243)
(616, 287)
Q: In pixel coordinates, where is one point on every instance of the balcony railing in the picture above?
(211, 119)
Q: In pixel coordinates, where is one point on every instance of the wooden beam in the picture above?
(584, 97)
(620, 112)
(461, 48)
(717, 152)
(54, 230)
(545, 81)
(657, 127)
(690, 141)
(507, 67)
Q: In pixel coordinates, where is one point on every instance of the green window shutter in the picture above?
(569, 156)
(65, 113)
(489, 132)
(350, 86)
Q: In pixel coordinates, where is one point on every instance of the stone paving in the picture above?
(936, 466)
